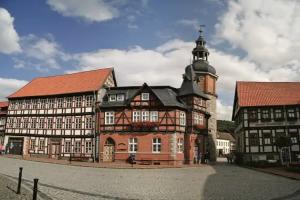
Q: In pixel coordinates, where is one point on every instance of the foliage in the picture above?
(226, 126)
(283, 141)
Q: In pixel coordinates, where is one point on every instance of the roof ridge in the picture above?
(68, 74)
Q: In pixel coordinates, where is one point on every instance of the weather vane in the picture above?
(201, 27)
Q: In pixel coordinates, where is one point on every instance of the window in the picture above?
(253, 139)
(109, 117)
(145, 96)
(41, 123)
(120, 97)
(198, 119)
(33, 123)
(32, 143)
(68, 123)
(18, 124)
(291, 114)
(133, 145)
(60, 103)
(25, 123)
(59, 123)
(112, 97)
(145, 116)
(278, 114)
(77, 147)
(88, 122)
(69, 102)
(67, 146)
(180, 145)
(35, 104)
(43, 103)
(50, 123)
(78, 123)
(41, 145)
(27, 104)
(89, 101)
(293, 135)
(78, 102)
(182, 119)
(265, 115)
(88, 147)
(51, 103)
(154, 116)
(267, 138)
(252, 115)
(156, 145)
(136, 116)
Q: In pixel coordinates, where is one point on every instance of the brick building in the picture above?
(264, 111)
(55, 116)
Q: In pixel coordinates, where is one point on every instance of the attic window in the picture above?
(120, 97)
(112, 97)
(145, 96)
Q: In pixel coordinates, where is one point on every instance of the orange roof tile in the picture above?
(3, 104)
(65, 84)
(268, 93)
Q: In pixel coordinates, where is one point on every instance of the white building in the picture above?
(225, 143)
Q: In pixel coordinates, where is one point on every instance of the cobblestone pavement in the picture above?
(8, 190)
(221, 181)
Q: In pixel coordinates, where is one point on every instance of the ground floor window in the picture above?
(32, 143)
(88, 147)
(156, 145)
(133, 145)
(41, 145)
(67, 146)
(77, 147)
(180, 145)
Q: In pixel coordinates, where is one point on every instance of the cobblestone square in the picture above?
(221, 181)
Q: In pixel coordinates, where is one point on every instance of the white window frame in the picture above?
(41, 145)
(78, 102)
(68, 123)
(60, 102)
(156, 145)
(120, 97)
(182, 119)
(50, 123)
(154, 116)
(77, 149)
(41, 123)
(132, 145)
(89, 100)
(136, 116)
(112, 97)
(145, 116)
(67, 146)
(89, 122)
(145, 96)
(180, 146)
(69, 102)
(32, 143)
(88, 147)
(109, 117)
(59, 123)
(78, 123)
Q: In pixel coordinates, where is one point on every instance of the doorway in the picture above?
(54, 150)
(109, 150)
(15, 146)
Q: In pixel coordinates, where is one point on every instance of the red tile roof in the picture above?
(3, 104)
(64, 84)
(268, 93)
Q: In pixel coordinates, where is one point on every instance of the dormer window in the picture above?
(145, 96)
(120, 97)
(112, 97)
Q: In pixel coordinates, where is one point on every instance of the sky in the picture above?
(150, 41)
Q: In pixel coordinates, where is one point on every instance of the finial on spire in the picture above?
(200, 30)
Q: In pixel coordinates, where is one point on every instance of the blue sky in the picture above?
(248, 40)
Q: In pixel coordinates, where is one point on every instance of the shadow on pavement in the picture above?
(233, 182)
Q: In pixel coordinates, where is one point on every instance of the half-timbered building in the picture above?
(158, 124)
(264, 111)
(3, 113)
(55, 116)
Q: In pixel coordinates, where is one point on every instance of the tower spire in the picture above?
(200, 52)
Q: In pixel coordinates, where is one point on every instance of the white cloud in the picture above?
(91, 10)
(40, 53)
(194, 23)
(223, 111)
(9, 39)
(9, 86)
(268, 31)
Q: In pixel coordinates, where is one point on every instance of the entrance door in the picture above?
(109, 150)
(55, 149)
